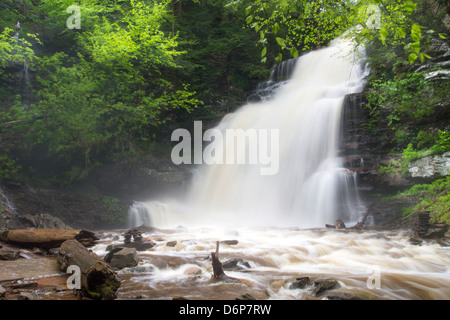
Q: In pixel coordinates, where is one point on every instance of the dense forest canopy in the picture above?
(77, 96)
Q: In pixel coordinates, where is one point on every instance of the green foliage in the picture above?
(406, 95)
(14, 51)
(109, 93)
(294, 25)
(116, 211)
(426, 196)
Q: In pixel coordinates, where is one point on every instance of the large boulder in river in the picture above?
(123, 258)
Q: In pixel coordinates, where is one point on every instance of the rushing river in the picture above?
(368, 264)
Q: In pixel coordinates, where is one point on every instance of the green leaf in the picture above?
(279, 58)
(415, 47)
(422, 57)
(300, 23)
(412, 57)
(442, 36)
(401, 32)
(416, 32)
(281, 42)
(248, 10)
(275, 28)
(294, 52)
(249, 19)
(263, 52)
(383, 35)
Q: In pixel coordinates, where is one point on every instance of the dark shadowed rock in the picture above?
(339, 224)
(345, 296)
(300, 283)
(9, 255)
(171, 244)
(235, 264)
(230, 242)
(322, 285)
(246, 296)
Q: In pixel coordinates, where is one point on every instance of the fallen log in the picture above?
(97, 279)
(47, 238)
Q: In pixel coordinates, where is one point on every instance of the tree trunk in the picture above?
(47, 238)
(98, 279)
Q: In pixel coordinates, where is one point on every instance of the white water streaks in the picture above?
(6, 200)
(310, 188)
(376, 265)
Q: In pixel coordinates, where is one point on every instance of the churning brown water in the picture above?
(376, 265)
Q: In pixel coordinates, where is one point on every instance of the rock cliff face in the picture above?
(430, 167)
(367, 148)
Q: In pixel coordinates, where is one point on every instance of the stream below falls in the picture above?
(367, 264)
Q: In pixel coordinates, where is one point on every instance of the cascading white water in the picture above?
(311, 187)
(6, 200)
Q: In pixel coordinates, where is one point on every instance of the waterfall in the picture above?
(138, 215)
(5, 199)
(312, 187)
(279, 75)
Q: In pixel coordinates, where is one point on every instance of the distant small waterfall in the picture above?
(6, 200)
(138, 215)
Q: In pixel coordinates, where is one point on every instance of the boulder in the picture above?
(322, 285)
(9, 255)
(124, 258)
(236, 264)
(2, 291)
(436, 166)
(300, 283)
(230, 242)
(171, 244)
(345, 296)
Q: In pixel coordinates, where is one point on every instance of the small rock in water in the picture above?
(171, 243)
(300, 283)
(235, 263)
(345, 296)
(230, 242)
(323, 285)
(2, 291)
(246, 296)
(9, 255)
(192, 271)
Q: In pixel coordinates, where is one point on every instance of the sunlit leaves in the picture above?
(416, 32)
(281, 42)
(383, 35)
(294, 52)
